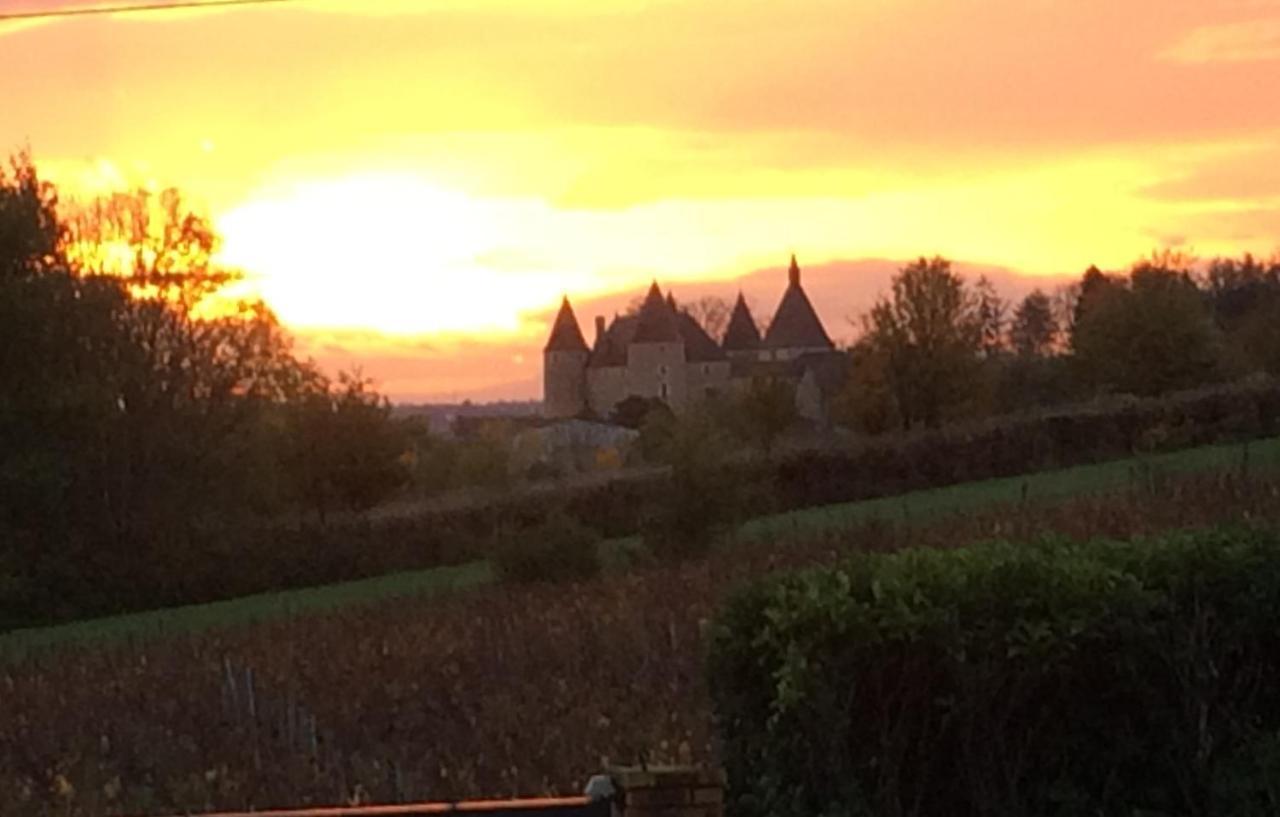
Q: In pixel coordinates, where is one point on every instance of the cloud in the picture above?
(1237, 173)
(1251, 41)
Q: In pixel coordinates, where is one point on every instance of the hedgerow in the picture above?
(510, 689)
(190, 565)
(1051, 678)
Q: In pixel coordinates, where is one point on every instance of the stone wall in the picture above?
(658, 370)
(669, 791)
(564, 383)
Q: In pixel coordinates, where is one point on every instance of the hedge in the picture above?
(1045, 679)
(190, 565)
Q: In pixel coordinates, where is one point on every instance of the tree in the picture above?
(866, 403)
(928, 333)
(348, 451)
(990, 312)
(141, 409)
(631, 412)
(762, 413)
(30, 232)
(1145, 335)
(702, 499)
(1034, 331)
(712, 314)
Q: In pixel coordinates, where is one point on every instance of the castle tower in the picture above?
(796, 329)
(564, 366)
(656, 363)
(741, 337)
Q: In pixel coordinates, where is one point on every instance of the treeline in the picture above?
(161, 443)
(147, 418)
(938, 348)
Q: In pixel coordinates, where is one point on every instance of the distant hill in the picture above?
(440, 416)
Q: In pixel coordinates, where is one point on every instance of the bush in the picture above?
(558, 548)
(1052, 679)
(701, 500)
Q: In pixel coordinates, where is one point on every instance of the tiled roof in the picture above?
(795, 324)
(698, 345)
(611, 347)
(566, 336)
(741, 334)
(657, 320)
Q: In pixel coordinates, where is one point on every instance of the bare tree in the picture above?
(712, 314)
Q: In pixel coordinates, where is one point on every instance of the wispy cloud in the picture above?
(1250, 41)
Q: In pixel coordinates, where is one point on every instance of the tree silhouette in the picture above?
(927, 334)
(1034, 330)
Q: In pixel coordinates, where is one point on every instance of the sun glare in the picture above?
(391, 252)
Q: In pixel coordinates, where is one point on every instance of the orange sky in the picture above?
(412, 184)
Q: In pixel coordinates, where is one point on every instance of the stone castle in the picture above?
(661, 352)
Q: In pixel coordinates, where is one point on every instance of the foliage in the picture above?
(500, 691)
(1146, 335)
(762, 413)
(700, 501)
(30, 232)
(347, 451)
(633, 411)
(556, 549)
(927, 333)
(1044, 678)
(144, 412)
(1034, 331)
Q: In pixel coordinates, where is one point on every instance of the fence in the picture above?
(622, 792)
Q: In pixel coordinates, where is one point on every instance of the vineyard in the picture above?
(501, 691)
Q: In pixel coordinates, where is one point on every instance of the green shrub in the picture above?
(555, 549)
(701, 500)
(1047, 679)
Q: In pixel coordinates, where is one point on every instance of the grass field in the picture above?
(913, 508)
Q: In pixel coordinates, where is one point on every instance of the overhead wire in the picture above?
(130, 8)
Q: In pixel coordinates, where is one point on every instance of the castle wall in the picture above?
(809, 404)
(707, 378)
(791, 352)
(564, 383)
(606, 387)
(658, 370)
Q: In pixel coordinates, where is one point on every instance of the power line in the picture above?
(132, 8)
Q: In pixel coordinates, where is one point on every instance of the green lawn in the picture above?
(910, 508)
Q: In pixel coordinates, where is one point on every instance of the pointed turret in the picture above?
(795, 325)
(656, 322)
(741, 335)
(564, 366)
(566, 335)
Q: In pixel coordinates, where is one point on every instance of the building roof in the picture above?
(611, 347)
(566, 335)
(698, 345)
(657, 320)
(741, 334)
(795, 325)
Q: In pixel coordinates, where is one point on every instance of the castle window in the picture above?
(663, 392)
(706, 368)
(662, 370)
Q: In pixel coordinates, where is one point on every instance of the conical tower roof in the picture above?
(656, 322)
(741, 334)
(566, 335)
(796, 324)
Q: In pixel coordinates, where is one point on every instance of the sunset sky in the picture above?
(413, 184)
